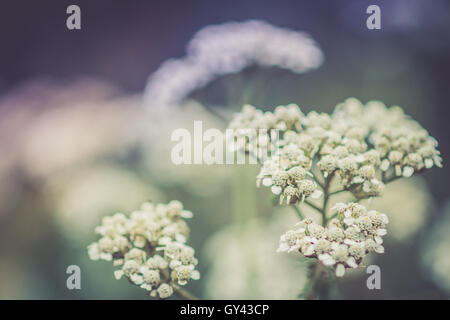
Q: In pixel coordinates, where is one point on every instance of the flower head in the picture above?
(344, 242)
(363, 146)
(149, 246)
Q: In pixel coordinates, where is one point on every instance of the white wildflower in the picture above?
(344, 242)
(128, 242)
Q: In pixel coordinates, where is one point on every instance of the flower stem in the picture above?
(337, 192)
(312, 205)
(326, 197)
(183, 292)
(176, 288)
(390, 179)
(299, 213)
(317, 285)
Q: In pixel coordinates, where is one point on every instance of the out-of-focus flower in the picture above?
(80, 197)
(173, 81)
(9, 185)
(253, 130)
(435, 257)
(77, 132)
(149, 246)
(408, 203)
(228, 48)
(50, 127)
(243, 263)
(198, 179)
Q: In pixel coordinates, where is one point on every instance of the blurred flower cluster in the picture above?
(243, 263)
(408, 203)
(229, 48)
(435, 258)
(150, 247)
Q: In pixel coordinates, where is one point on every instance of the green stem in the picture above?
(213, 111)
(299, 213)
(176, 288)
(326, 197)
(316, 278)
(333, 216)
(312, 205)
(391, 178)
(316, 283)
(318, 182)
(337, 192)
(183, 292)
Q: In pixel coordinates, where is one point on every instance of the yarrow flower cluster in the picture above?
(149, 246)
(290, 179)
(355, 143)
(403, 144)
(256, 132)
(344, 242)
(356, 149)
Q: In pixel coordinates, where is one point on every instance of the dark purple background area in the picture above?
(124, 41)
